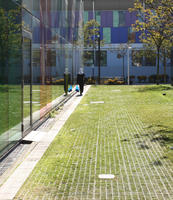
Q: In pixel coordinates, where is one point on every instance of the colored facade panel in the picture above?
(133, 18)
(107, 18)
(119, 35)
(122, 18)
(90, 15)
(115, 18)
(107, 35)
(85, 17)
(98, 17)
(128, 19)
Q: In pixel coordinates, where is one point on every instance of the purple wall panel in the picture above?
(107, 18)
(128, 19)
(119, 35)
(134, 18)
(90, 15)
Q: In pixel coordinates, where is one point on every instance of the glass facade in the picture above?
(37, 48)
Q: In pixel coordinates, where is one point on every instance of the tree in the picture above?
(121, 53)
(92, 38)
(10, 38)
(155, 23)
(91, 34)
(165, 54)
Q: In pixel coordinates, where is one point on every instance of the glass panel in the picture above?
(47, 34)
(27, 83)
(103, 58)
(28, 4)
(10, 75)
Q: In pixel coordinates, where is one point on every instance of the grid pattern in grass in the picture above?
(110, 138)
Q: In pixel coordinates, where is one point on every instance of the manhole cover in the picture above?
(97, 102)
(106, 176)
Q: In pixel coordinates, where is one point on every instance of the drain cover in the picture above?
(106, 176)
(96, 102)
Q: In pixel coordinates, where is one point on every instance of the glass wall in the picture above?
(38, 44)
(10, 74)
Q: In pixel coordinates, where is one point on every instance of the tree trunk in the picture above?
(164, 64)
(158, 63)
(123, 67)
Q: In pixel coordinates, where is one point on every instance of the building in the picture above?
(115, 21)
(36, 49)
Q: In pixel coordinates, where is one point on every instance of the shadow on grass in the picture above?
(157, 163)
(155, 88)
(164, 135)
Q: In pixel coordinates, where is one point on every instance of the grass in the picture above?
(129, 136)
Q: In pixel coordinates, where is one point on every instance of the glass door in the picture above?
(27, 84)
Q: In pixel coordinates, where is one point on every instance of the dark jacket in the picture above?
(80, 78)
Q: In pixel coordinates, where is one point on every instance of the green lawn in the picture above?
(130, 136)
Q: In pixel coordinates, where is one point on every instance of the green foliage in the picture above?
(155, 21)
(90, 81)
(114, 81)
(91, 34)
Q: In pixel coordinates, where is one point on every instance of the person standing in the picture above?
(80, 81)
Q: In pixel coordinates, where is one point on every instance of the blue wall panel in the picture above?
(137, 37)
(119, 35)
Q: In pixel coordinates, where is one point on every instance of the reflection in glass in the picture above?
(10, 74)
(36, 49)
(27, 83)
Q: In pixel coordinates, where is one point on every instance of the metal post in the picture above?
(172, 66)
(93, 1)
(128, 68)
(99, 56)
(128, 65)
